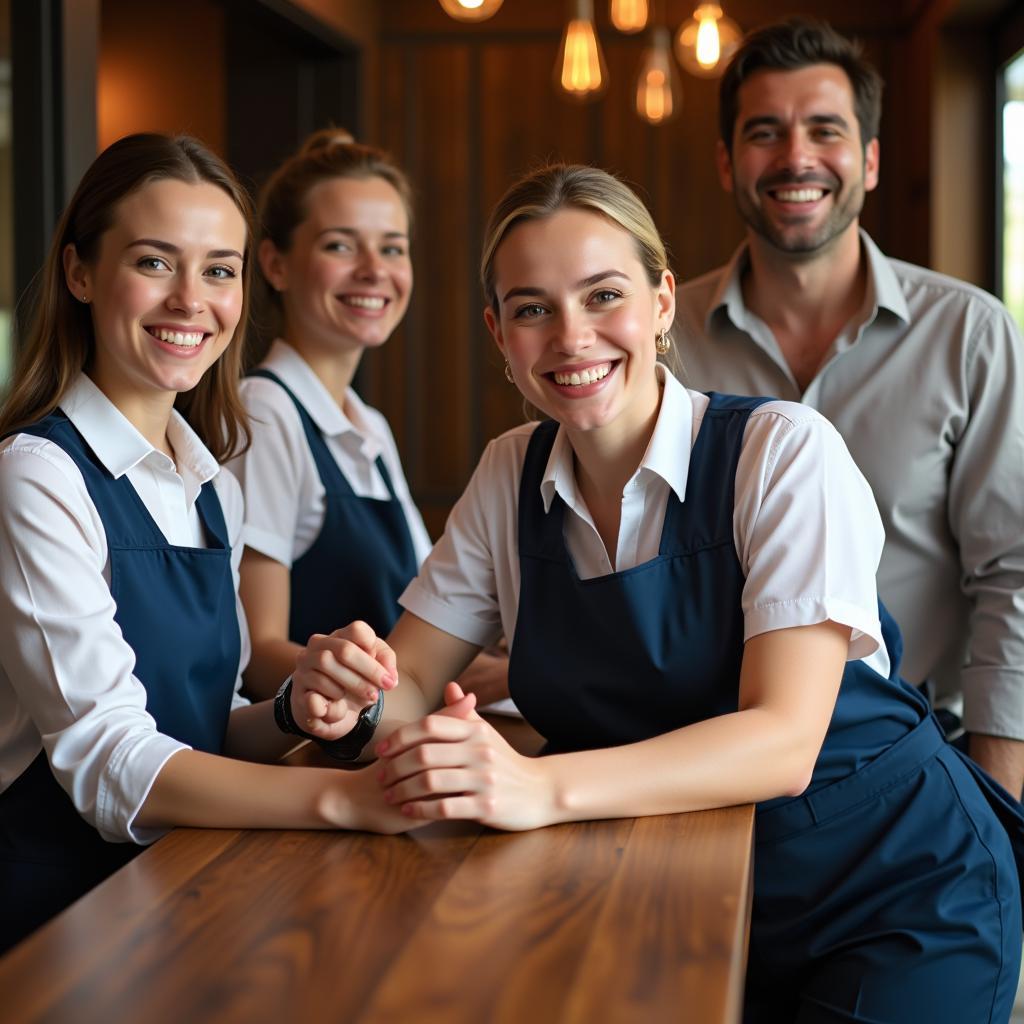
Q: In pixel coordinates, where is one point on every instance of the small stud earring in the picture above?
(508, 373)
(85, 298)
(663, 342)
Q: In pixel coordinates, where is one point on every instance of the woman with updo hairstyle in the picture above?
(688, 584)
(121, 635)
(331, 531)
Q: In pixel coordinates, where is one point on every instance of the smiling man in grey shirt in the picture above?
(922, 374)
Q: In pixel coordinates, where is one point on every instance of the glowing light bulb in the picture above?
(470, 10)
(659, 96)
(709, 47)
(706, 42)
(629, 15)
(580, 68)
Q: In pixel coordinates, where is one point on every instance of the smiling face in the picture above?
(799, 170)
(165, 290)
(577, 319)
(346, 279)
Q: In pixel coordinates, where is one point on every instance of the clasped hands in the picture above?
(451, 764)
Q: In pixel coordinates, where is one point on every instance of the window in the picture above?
(6, 196)
(1012, 240)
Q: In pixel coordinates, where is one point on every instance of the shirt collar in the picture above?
(309, 389)
(728, 294)
(882, 278)
(120, 447)
(883, 287)
(667, 455)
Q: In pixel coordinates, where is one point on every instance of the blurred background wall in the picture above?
(465, 108)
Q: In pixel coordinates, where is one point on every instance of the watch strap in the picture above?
(351, 745)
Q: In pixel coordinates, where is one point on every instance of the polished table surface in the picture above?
(628, 920)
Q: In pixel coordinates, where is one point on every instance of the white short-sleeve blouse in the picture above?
(285, 501)
(807, 531)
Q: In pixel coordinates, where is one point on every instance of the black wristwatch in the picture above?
(347, 747)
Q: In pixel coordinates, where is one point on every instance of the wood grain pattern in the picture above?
(607, 920)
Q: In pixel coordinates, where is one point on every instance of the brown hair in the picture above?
(60, 341)
(328, 153)
(559, 186)
(789, 46)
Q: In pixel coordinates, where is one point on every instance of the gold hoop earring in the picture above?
(508, 373)
(663, 342)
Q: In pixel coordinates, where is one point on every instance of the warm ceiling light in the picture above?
(470, 10)
(706, 42)
(629, 15)
(658, 93)
(580, 69)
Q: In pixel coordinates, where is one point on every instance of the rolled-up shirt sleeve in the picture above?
(68, 669)
(807, 529)
(986, 515)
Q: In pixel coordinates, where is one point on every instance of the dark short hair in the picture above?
(799, 43)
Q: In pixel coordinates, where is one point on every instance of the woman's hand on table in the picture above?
(356, 801)
(337, 676)
(455, 765)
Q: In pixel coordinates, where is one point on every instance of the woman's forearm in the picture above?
(788, 686)
(206, 791)
(744, 757)
(271, 663)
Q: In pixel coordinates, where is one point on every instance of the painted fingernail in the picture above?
(382, 747)
(389, 682)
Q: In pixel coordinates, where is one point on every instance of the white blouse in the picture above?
(285, 502)
(66, 673)
(807, 532)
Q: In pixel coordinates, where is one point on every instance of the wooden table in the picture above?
(630, 920)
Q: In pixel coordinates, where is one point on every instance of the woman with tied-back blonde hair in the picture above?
(688, 582)
(121, 639)
(331, 531)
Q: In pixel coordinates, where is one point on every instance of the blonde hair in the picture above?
(555, 187)
(60, 341)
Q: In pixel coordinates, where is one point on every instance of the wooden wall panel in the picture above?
(144, 84)
(423, 377)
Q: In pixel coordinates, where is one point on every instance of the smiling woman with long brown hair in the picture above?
(121, 639)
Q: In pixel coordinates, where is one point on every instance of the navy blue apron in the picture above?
(362, 559)
(176, 610)
(892, 850)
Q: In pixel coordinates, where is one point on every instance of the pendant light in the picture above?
(470, 10)
(629, 16)
(659, 95)
(580, 70)
(706, 42)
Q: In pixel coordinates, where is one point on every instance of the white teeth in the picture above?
(364, 301)
(588, 376)
(799, 195)
(186, 339)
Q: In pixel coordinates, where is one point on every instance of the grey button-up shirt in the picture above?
(926, 386)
